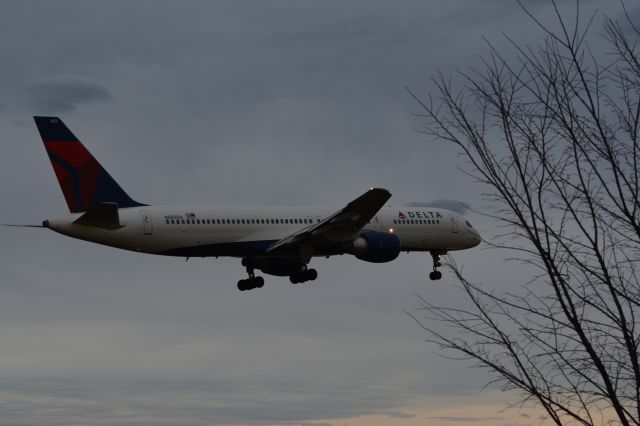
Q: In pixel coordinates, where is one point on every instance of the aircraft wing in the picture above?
(340, 226)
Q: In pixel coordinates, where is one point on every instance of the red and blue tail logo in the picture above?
(83, 180)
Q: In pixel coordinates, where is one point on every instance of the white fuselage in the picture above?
(200, 231)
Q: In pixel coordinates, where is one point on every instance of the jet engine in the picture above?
(375, 247)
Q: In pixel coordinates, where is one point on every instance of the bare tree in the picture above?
(554, 134)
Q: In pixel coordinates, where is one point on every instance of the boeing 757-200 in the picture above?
(275, 240)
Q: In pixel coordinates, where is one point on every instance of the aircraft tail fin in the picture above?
(84, 182)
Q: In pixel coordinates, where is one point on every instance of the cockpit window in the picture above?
(468, 224)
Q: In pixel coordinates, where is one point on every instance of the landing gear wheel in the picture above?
(242, 285)
(303, 276)
(312, 274)
(435, 275)
(250, 283)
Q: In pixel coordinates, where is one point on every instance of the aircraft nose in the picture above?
(474, 237)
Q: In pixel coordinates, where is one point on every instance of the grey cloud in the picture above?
(633, 12)
(466, 418)
(63, 93)
(311, 424)
(65, 402)
(443, 203)
(399, 415)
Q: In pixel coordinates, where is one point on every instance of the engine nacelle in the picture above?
(376, 247)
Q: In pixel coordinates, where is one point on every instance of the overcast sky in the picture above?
(236, 102)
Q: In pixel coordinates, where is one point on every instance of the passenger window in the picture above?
(167, 221)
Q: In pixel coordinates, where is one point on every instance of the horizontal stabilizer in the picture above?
(103, 215)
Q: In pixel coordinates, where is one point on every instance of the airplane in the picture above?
(278, 241)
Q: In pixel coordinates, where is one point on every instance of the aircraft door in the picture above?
(455, 228)
(147, 224)
(315, 219)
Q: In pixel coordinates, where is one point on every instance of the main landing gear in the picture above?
(435, 274)
(251, 282)
(303, 276)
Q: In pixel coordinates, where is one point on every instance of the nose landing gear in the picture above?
(435, 274)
